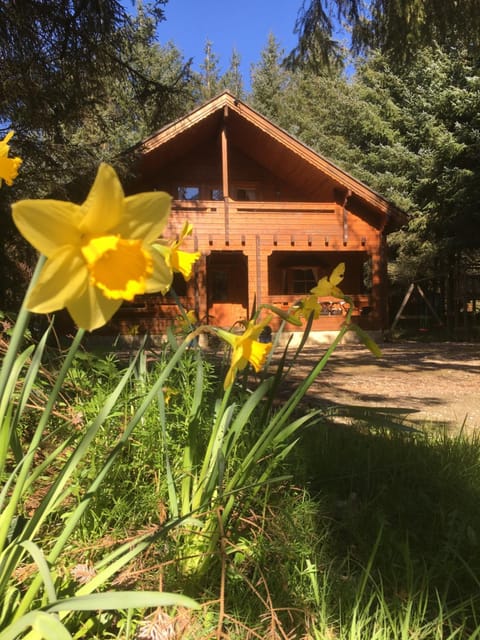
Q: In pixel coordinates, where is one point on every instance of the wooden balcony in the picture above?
(286, 225)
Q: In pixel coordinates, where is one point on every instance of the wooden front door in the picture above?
(227, 287)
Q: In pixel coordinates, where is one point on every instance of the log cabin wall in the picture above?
(266, 233)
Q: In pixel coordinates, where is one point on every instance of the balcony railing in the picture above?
(253, 206)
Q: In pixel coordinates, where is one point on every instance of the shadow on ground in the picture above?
(434, 383)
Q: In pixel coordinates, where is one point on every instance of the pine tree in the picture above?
(232, 79)
(80, 83)
(399, 29)
(269, 81)
(209, 78)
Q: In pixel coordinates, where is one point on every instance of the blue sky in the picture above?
(243, 25)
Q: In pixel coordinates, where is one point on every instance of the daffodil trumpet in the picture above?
(177, 260)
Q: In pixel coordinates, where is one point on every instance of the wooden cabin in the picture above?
(270, 217)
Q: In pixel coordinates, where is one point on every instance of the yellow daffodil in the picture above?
(327, 286)
(306, 307)
(192, 317)
(8, 166)
(179, 261)
(246, 348)
(168, 394)
(98, 253)
(186, 323)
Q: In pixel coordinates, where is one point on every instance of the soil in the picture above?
(434, 383)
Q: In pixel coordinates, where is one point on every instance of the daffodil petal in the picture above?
(47, 224)
(254, 330)
(337, 274)
(310, 305)
(186, 231)
(192, 316)
(337, 293)
(103, 208)
(63, 277)
(239, 364)
(9, 169)
(4, 147)
(161, 279)
(322, 288)
(145, 215)
(229, 378)
(239, 361)
(164, 250)
(92, 310)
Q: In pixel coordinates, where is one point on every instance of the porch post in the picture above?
(201, 297)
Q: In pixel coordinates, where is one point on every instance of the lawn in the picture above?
(277, 520)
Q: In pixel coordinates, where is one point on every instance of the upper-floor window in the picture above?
(245, 193)
(216, 193)
(188, 193)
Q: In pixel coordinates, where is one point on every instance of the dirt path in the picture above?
(438, 383)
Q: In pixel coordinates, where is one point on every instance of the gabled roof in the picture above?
(270, 146)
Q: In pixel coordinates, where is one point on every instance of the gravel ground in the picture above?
(438, 383)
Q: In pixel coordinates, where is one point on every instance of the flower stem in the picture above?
(18, 331)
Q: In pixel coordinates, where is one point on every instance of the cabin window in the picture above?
(216, 193)
(246, 194)
(189, 193)
(300, 280)
(219, 286)
(295, 273)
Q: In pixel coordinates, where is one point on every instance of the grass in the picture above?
(405, 529)
(365, 532)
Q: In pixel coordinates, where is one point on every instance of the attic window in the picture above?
(189, 193)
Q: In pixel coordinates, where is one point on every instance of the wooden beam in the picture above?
(411, 289)
(402, 306)
(345, 217)
(225, 178)
(429, 305)
(258, 266)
